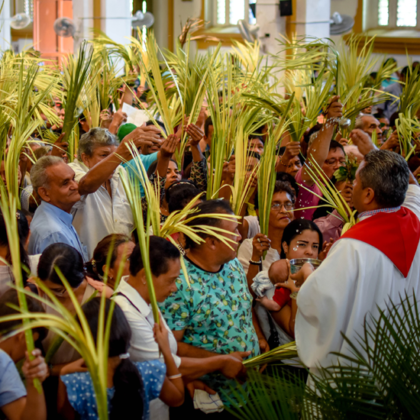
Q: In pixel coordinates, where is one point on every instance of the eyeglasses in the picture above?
(278, 206)
(334, 161)
(58, 292)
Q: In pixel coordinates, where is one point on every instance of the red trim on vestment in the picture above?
(396, 235)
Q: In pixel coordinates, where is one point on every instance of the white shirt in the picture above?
(98, 215)
(353, 281)
(143, 346)
(253, 226)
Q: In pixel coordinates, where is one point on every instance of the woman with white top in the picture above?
(132, 296)
(251, 250)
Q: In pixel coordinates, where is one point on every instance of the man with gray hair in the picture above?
(369, 125)
(103, 208)
(54, 182)
(373, 263)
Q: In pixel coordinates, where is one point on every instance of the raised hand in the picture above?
(36, 368)
(362, 140)
(195, 133)
(260, 243)
(169, 146)
(334, 109)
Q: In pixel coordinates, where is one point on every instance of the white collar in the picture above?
(131, 293)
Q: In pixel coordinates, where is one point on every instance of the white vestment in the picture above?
(353, 281)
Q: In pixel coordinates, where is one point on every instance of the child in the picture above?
(131, 386)
(16, 402)
(271, 281)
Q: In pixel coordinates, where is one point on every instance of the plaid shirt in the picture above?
(373, 212)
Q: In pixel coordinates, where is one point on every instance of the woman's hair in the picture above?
(295, 228)
(205, 210)
(23, 232)
(67, 259)
(285, 177)
(127, 402)
(281, 186)
(179, 194)
(160, 252)
(95, 137)
(8, 301)
(94, 268)
(153, 166)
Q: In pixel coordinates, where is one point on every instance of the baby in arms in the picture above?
(275, 279)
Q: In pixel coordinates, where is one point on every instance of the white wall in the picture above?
(5, 36)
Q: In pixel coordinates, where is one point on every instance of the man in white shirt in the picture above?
(103, 208)
(132, 296)
(376, 261)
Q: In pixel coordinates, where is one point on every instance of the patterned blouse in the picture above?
(81, 394)
(215, 312)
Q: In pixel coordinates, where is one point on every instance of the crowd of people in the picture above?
(221, 302)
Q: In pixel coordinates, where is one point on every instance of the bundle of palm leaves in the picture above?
(76, 75)
(378, 380)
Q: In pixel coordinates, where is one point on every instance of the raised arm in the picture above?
(320, 147)
(144, 136)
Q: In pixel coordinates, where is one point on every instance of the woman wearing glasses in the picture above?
(251, 250)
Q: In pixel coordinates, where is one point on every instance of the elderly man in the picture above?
(53, 181)
(376, 261)
(104, 208)
(214, 314)
(369, 125)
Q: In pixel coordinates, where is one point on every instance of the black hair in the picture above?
(295, 228)
(23, 233)
(404, 71)
(207, 124)
(388, 175)
(207, 208)
(127, 402)
(336, 145)
(380, 114)
(10, 297)
(285, 177)
(160, 252)
(179, 194)
(160, 124)
(94, 267)
(313, 130)
(281, 186)
(153, 166)
(67, 259)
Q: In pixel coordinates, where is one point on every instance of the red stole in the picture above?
(395, 234)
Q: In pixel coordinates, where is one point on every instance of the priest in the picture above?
(376, 261)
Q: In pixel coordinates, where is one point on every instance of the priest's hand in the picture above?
(301, 276)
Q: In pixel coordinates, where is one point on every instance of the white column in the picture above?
(312, 17)
(116, 29)
(5, 36)
(271, 24)
(82, 9)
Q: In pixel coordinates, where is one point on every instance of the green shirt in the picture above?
(215, 312)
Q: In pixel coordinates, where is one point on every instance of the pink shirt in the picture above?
(330, 226)
(306, 198)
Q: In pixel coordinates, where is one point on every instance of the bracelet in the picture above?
(255, 262)
(175, 376)
(293, 295)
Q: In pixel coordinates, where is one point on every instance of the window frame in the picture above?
(227, 23)
(392, 20)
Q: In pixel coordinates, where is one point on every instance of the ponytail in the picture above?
(127, 402)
